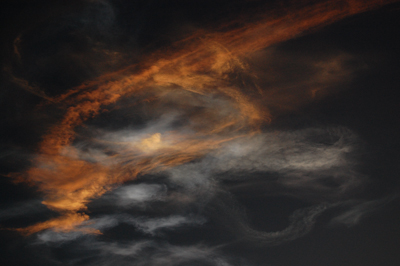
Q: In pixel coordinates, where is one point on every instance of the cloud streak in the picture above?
(199, 105)
(358, 210)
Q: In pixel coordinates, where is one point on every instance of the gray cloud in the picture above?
(156, 253)
(131, 249)
(304, 150)
(314, 165)
(149, 226)
(229, 212)
(50, 236)
(141, 252)
(315, 159)
(152, 226)
(356, 210)
(176, 255)
(301, 222)
(140, 194)
(302, 159)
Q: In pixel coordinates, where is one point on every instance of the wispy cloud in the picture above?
(149, 226)
(140, 194)
(202, 80)
(315, 159)
(203, 122)
(155, 253)
(355, 210)
(301, 222)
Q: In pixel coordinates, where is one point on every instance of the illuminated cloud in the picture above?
(149, 226)
(202, 118)
(139, 194)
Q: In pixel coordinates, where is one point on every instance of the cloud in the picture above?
(123, 250)
(292, 78)
(151, 226)
(317, 160)
(233, 217)
(302, 150)
(175, 255)
(143, 253)
(50, 236)
(303, 160)
(301, 222)
(356, 210)
(144, 155)
(200, 83)
(24, 84)
(139, 252)
(140, 194)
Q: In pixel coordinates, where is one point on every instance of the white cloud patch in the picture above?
(320, 160)
(152, 226)
(303, 150)
(50, 236)
(140, 193)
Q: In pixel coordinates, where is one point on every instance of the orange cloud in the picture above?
(197, 78)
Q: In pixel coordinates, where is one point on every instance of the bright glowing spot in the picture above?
(151, 143)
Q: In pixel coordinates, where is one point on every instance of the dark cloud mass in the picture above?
(199, 133)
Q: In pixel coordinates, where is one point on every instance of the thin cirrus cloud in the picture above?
(290, 155)
(303, 159)
(152, 253)
(141, 252)
(202, 125)
(141, 193)
(146, 225)
(353, 211)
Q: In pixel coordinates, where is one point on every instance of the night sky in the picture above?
(212, 133)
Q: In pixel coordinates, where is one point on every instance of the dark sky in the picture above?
(217, 132)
